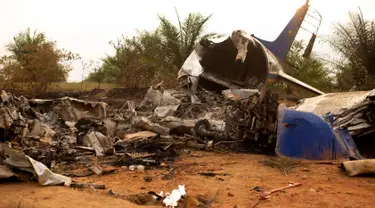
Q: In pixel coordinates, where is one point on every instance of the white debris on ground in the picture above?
(171, 200)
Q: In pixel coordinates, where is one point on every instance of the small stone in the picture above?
(304, 177)
(257, 188)
(140, 168)
(132, 167)
(305, 170)
(111, 193)
(124, 168)
(230, 194)
(147, 178)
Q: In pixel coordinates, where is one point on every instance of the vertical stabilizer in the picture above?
(284, 41)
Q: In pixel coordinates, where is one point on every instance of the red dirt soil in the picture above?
(323, 185)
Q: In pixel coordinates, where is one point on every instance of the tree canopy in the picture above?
(35, 62)
(154, 55)
(354, 43)
(310, 70)
(151, 56)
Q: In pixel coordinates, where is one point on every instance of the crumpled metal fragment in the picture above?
(203, 129)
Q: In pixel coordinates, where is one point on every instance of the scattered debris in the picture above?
(170, 175)
(95, 140)
(150, 198)
(210, 174)
(147, 178)
(258, 189)
(144, 123)
(87, 185)
(139, 136)
(100, 171)
(171, 200)
(57, 133)
(6, 172)
(359, 167)
(21, 162)
(239, 94)
(78, 131)
(267, 194)
(139, 168)
(306, 170)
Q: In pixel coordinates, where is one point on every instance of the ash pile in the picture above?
(65, 133)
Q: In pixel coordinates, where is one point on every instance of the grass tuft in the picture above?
(286, 165)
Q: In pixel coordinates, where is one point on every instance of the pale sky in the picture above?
(87, 26)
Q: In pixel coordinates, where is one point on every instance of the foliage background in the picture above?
(35, 63)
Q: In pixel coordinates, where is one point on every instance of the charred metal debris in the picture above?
(65, 132)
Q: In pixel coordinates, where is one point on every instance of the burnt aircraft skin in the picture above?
(259, 66)
(218, 60)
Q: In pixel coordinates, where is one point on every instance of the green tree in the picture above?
(310, 70)
(155, 55)
(98, 76)
(354, 42)
(35, 62)
(179, 40)
(132, 65)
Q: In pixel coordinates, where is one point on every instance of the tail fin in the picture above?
(282, 44)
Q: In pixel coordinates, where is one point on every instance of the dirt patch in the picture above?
(236, 175)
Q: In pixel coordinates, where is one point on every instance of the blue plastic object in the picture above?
(306, 135)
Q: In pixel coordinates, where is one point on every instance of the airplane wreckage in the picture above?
(318, 128)
(244, 116)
